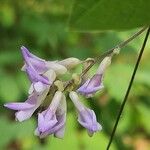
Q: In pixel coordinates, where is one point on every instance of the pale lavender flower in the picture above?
(40, 65)
(95, 84)
(38, 93)
(91, 85)
(31, 60)
(35, 77)
(27, 108)
(86, 116)
(52, 120)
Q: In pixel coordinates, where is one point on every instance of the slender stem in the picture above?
(108, 52)
(129, 88)
(120, 45)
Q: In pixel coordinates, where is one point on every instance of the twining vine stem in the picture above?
(131, 81)
(108, 52)
(119, 46)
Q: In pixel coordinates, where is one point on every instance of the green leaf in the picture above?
(113, 14)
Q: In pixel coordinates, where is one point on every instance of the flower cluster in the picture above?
(44, 77)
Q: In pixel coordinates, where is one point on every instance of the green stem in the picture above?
(129, 88)
(120, 45)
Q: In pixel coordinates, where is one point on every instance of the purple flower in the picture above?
(40, 82)
(31, 60)
(40, 65)
(38, 92)
(27, 108)
(35, 77)
(52, 120)
(91, 85)
(86, 116)
(95, 84)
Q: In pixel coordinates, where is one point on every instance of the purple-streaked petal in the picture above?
(34, 99)
(44, 124)
(26, 109)
(83, 86)
(28, 104)
(59, 127)
(39, 66)
(35, 77)
(26, 53)
(30, 59)
(87, 119)
(47, 119)
(91, 86)
(86, 116)
(95, 83)
(24, 114)
(19, 106)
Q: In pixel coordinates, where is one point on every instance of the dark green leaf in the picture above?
(107, 15)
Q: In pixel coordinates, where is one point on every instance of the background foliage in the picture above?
(42, 26)
(112, 14)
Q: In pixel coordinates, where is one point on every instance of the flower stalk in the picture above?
(129, 88)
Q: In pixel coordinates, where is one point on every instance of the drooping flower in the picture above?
(27, 108)
(86, 116)
(47, 118)
(38, 93)
(91, 85)
(52, 120)
(95, 84)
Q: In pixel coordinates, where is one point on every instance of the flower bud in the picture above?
(70, 63)
(103, 65)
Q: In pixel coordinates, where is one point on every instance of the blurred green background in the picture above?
(42, 26)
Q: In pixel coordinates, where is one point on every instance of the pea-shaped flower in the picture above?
(95, 84)
(38, 93)
(52, 120)
(86, 116)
